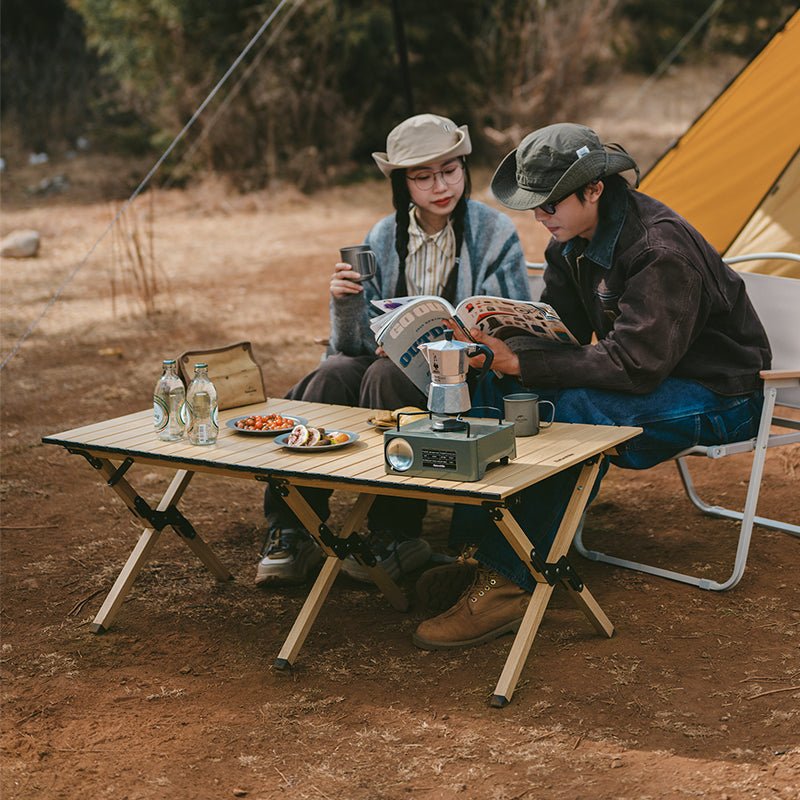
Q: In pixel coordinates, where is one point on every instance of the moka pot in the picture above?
(448, 362)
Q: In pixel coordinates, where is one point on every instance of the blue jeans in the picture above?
(679, 414)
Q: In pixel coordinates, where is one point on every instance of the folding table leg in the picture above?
(141, 552)
(138, 557)
(529, 626)
(308, 613)
(585, 601)
(303, 511)
(330, 569)
(523, 642)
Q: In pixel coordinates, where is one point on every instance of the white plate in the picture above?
(317, 448)
(382, 426)
(231, 423)
(390, 426)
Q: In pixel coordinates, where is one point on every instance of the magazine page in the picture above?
(393, 303)
(414, 323)
(502, 318)
(387, 309)
(391, 306)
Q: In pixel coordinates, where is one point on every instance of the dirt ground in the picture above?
(696, 695)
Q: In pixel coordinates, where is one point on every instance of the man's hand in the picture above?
(344, 281)
(505, 360)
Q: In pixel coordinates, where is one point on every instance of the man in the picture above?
(669, 342)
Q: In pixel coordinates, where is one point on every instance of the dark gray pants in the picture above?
(367, 382)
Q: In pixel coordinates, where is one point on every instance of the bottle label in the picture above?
(160, 413)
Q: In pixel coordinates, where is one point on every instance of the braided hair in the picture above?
(401, 200)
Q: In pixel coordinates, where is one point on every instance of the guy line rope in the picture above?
(223, 106)
(259, 33)
(666, 62)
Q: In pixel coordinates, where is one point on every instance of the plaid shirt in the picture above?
(490, 262)
(430, 257)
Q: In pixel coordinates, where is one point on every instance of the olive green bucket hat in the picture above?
(422, 139)
(553, 162)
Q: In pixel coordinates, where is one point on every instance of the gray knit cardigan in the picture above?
(491, 263)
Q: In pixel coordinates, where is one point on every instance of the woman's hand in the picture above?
(505, 360)
(344, 281)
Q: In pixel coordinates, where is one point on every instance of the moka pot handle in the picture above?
(478, 349)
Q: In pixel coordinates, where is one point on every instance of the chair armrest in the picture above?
(778, 374)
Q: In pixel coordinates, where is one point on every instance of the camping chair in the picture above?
(777, 301)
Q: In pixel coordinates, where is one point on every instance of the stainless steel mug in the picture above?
(361, 259)
(522, 409)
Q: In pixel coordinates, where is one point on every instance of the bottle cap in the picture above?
(168, 361)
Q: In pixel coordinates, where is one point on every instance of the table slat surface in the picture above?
(358, 465)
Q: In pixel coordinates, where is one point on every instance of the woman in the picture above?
(437, 242)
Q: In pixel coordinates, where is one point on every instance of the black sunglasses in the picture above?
(550, 208)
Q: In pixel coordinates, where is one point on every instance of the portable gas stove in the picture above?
(448, 447)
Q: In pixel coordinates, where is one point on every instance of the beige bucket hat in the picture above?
(553, 162)
(420, 140)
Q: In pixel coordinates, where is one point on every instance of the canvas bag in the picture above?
(233, 370)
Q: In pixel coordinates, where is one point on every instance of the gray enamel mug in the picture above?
(522, 409)
(361, 259)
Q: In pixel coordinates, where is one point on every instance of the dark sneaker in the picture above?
(290, 557)
(490, 607)
(440, 587)
(398, 555)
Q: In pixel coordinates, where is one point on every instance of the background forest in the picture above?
(328, 78)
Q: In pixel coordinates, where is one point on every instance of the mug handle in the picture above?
(373, 264)
(552, 416)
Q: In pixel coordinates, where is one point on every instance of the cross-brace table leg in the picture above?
(336, 548)
(555, 569)
(166, 513)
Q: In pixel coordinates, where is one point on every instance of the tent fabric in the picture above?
(774, 227)
(721, 174)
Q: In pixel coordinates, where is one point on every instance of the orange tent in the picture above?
(735, 173)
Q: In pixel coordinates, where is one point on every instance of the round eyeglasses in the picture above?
(451, 175)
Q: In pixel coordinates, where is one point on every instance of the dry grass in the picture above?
(136, 274)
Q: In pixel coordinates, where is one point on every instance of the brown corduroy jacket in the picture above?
(660, 301)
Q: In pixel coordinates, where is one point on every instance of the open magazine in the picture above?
(407, 322)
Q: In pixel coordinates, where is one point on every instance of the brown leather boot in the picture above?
(490, 607)
(439, 588)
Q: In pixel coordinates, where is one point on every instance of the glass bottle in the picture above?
(168, 399)
(202, 426)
